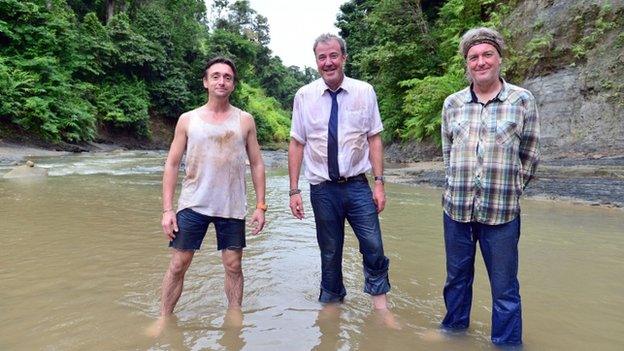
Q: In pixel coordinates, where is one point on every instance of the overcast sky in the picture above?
(294, 26)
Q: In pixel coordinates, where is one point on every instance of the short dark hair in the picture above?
(224, 60)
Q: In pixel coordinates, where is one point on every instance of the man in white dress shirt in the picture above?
(336, 131)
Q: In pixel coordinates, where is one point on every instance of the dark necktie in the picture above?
(332, 138)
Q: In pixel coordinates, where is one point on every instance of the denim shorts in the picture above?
(193, 226)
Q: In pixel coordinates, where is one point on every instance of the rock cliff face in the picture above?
(570, 54)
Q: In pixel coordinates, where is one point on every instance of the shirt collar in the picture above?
(503, 94)
(345, 85)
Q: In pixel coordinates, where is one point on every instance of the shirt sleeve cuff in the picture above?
(297, 137)
(374, 132)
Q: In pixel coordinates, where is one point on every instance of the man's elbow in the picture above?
(257, 166)
(295, 146)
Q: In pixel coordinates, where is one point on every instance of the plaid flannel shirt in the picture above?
(491, 152)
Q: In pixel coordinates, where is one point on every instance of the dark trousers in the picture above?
(332, 203)
(499, 247)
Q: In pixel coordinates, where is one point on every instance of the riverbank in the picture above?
(589, 181)
(13, 154)
(594, 181)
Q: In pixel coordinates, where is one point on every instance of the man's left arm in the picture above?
(376, 159)
(530, 142)
(375, 153)
(257, 174)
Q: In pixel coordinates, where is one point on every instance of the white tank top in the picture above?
(214, 184)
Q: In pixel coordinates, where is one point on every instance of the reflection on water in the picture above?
(84, 257)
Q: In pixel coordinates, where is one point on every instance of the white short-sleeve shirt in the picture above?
(358, 119)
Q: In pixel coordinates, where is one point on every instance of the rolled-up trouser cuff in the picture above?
(376, 281)
(327, 296)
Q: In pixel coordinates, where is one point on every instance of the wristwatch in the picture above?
(262, 207)
(380, 178)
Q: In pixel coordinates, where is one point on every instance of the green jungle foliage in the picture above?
(275, 126)
(69, 66)
(408, 51)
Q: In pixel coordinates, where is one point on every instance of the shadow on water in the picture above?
(84, 257)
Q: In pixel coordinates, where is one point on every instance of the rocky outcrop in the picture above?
(398, 152)
(597, 182)
(570, 54)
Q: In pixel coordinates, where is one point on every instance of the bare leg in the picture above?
(171, 289)
(234, 280)
(380, 302)
(173, 281)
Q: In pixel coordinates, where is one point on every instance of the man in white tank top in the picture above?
(217, 138)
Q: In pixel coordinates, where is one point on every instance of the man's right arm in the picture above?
(295, 157)
(170, 177)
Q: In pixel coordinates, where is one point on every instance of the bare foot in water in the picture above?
(433, 335)
(388, 319)
(156, 328)
(330, 311)
(233, 318)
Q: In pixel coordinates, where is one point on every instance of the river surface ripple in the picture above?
(84, 256)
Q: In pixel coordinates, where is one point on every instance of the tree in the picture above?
(408, 50)
(69, 67)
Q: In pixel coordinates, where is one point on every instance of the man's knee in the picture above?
(233, 267)
(232, 263)
(179, 263)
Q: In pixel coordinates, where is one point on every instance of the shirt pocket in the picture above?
(357, 119)
(507, 131)
(461, 131)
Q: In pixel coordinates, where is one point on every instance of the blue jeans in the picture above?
(499, 247)
(332, 203)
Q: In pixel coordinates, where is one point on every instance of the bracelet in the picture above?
(167, 210)
(294, 192)
(380, 178)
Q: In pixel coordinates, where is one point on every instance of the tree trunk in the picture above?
(110, 10)
(420, 21)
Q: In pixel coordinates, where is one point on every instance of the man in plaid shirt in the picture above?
(490, 142)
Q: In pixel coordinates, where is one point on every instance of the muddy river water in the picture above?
(83, 257)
